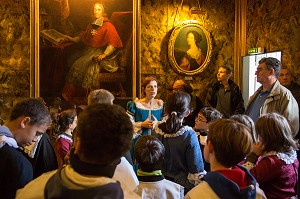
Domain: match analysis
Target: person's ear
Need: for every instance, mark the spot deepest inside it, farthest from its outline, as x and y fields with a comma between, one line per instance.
x=25, y=121
x=272, y=71
x=210, y=146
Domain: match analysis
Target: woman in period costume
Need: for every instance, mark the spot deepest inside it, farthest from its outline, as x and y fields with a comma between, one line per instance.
x=145, y=112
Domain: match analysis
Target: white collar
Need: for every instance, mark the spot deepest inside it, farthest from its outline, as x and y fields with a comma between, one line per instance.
x=8, y=140
x=288, y=158
x=98, y=22
x=181, y=131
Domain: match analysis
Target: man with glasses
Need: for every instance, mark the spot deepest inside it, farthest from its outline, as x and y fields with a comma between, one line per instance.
x=272, y=96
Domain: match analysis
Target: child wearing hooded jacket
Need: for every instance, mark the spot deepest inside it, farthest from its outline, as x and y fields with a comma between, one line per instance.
x=228, y=143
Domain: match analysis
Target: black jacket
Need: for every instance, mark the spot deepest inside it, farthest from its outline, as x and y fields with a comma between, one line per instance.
x=44, y=159
x=237, y=101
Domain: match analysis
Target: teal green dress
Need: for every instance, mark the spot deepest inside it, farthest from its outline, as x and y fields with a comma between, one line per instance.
x=139, y=114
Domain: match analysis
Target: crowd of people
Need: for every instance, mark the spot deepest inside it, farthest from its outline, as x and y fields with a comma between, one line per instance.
x=180, y=148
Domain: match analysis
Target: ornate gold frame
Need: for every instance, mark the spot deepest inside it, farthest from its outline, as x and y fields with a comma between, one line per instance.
x=35, y=48
x=176, y=36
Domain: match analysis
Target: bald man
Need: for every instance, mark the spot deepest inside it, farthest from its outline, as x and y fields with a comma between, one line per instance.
x=287, y=80
x=196, y=103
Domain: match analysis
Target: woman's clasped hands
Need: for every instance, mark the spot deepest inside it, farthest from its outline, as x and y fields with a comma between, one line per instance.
x=150, y=123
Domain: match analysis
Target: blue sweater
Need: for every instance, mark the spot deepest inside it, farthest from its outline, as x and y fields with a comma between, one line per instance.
x=182, y=155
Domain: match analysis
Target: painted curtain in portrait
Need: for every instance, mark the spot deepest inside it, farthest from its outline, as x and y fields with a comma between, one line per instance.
x=71, y=17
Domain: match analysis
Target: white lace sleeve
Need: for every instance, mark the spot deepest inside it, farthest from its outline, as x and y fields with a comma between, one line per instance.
x=109, y=50
x=164, y=118
x=196, y=178
x=137, y=127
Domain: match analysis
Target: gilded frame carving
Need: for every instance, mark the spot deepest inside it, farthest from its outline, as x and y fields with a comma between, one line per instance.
x=182, y=56
x=35, y=48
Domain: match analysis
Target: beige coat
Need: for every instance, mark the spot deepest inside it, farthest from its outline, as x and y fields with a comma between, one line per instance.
x=280, y=100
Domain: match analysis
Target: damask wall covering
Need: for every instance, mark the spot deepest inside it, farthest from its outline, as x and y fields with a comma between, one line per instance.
x=14, y=52
x=272, y=24
x=275, y=25
x=158, y=19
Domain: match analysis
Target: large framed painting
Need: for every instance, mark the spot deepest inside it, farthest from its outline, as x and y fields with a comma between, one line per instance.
x=189, y=48
x=79, y=46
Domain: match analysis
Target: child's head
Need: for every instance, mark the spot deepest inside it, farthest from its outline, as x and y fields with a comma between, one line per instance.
x=245, y=119
x=104, y=134
x=178, y=107
x=206, y=115
x=149, y=153
x=181, y=85
x=224, y=73
x=275, y=133
x=67, y=119
x=229, y=141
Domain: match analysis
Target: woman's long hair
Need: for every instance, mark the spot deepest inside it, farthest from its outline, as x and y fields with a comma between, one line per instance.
x=197, y=37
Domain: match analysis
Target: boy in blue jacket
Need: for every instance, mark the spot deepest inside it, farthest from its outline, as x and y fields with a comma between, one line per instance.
x=227, y=144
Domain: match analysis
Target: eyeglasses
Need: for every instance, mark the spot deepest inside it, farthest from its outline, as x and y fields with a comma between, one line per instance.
x=258, y=70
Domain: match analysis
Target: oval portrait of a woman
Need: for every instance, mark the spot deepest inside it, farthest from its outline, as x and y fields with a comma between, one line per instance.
x=189, y=48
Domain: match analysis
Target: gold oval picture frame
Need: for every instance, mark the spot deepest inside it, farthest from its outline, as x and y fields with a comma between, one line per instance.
x=189, y=48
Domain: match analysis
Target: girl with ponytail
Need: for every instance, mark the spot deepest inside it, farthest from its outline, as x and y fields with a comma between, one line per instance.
x=183, y=161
